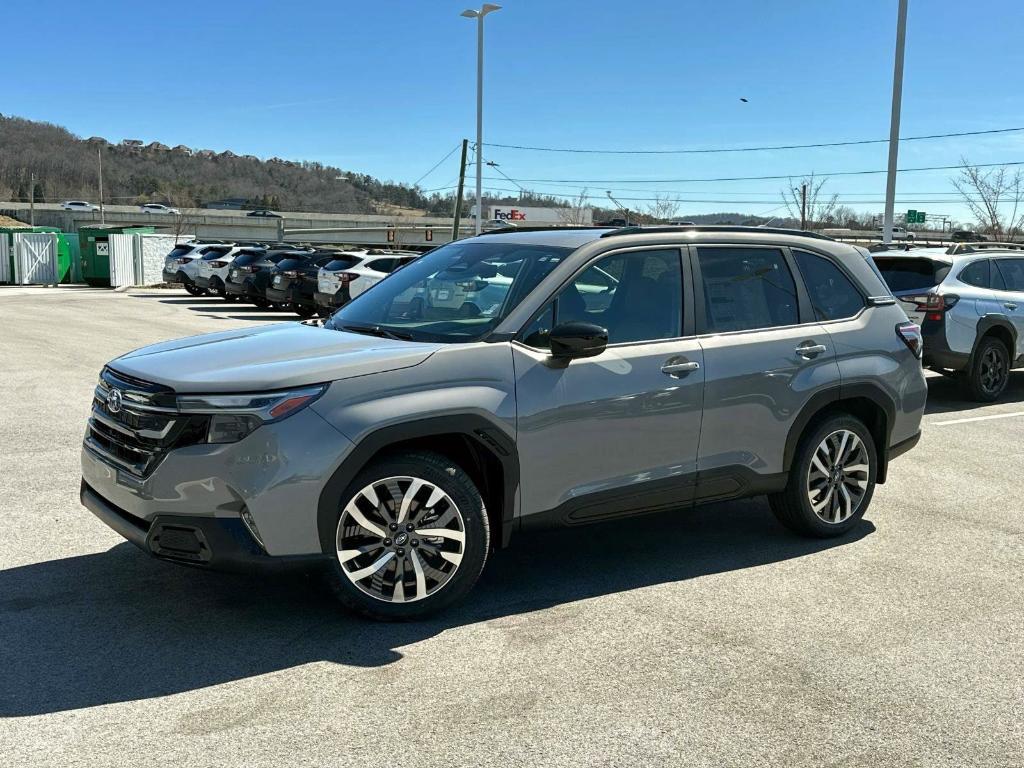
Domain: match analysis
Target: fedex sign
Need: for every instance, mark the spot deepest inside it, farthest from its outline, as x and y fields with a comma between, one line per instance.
x=512, y=214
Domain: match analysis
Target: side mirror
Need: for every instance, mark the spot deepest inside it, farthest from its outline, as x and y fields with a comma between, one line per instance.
x=577, y=339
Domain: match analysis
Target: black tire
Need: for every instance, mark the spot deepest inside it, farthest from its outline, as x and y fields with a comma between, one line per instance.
x=443, y=474
x=303, y=311
x=989, y=372
x=261, y=303
x=217, y=288
x=793, y=506
x=194, y=290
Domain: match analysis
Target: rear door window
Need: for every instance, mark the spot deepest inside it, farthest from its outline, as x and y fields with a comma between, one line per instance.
x=832, y=295
x=746, y=289
x=1012, y=271
x=977, y=273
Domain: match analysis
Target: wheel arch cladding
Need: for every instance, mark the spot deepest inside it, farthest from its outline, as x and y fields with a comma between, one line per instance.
x=999, y=327
x=867, y=402
x=476, y=444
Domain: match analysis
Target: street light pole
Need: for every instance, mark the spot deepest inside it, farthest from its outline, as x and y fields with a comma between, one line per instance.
x=479, y=16
x=894, y=125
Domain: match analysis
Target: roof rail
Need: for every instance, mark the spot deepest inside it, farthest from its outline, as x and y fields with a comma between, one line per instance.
x=716, y=228
x=559, y=228
x=958, y=248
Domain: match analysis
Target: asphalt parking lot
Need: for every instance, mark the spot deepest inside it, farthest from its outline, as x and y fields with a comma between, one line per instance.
x=704, y=638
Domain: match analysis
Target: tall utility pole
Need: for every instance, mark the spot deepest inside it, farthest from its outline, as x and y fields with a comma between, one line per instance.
x=457, y=215
x=624, y=209
x=479, y=16
x=99, y=158
x=32, y=199
x=803, y=206
x=894, y=125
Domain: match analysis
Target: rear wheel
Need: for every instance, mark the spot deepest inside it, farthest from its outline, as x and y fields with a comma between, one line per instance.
x=831, y=480
x=990, y=370
x=194, y=290
x=411, y=538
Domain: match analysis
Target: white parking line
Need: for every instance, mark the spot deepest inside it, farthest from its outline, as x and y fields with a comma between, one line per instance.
x=978, y=418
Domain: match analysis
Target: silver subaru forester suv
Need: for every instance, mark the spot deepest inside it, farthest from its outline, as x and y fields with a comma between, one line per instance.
x=509, y=381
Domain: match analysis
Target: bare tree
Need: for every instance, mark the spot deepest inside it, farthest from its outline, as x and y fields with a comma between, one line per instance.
x=820, y=207
x=578, y=211
x=993, y=196
x=664, y=208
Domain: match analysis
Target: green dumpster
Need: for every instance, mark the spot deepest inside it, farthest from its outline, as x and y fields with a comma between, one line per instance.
x=94, y=251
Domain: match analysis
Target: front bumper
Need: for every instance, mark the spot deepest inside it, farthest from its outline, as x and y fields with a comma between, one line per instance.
x=221, y=544
x=276, y=474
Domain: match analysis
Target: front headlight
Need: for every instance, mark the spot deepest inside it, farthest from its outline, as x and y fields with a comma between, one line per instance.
x=233, y=417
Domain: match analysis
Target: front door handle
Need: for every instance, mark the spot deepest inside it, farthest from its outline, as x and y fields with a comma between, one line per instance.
x=1010, y=305
x=810, y=350
x=679, y=369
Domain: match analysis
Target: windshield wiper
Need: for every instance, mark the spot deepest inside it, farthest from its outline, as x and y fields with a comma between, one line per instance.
x=376, y=330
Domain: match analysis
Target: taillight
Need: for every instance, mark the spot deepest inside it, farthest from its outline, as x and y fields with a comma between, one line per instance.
x=218, y=264
x=291, y=273
x=911, y=335
x=934, y=304
x=346, y=277
x=185, y=259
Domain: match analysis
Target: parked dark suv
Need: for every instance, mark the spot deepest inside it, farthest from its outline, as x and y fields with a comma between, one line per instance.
x=293, y=281
x=510, y=381
x=250, y=273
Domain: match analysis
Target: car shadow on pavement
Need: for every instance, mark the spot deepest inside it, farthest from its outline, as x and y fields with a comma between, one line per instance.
x=119, y=626
x=949, y=395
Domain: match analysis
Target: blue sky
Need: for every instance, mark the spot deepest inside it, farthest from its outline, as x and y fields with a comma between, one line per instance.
x=387, y=88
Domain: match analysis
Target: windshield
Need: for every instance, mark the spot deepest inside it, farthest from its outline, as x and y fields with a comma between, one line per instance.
x=456, y=293
x=911, y=274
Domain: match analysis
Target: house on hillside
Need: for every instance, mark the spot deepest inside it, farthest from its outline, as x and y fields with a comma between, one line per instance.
x=250, y=157
x=227, y=153
x=181, y=149
x=132, y=145
x=207, y=153
x=97, y=141
x=156, y=146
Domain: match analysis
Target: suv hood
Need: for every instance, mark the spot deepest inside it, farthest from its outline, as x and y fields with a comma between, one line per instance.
x=268, y=357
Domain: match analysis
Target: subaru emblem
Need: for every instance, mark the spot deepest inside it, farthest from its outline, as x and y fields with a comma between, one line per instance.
x=114, y=400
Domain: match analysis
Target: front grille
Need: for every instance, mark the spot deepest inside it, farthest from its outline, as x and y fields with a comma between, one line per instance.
x=136, y=436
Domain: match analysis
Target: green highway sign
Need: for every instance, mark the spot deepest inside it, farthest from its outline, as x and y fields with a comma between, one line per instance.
x=916, y=217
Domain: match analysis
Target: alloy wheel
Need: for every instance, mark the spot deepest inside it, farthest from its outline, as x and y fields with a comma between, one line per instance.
x=837, y=479
x=400, y=539
x=993, y=371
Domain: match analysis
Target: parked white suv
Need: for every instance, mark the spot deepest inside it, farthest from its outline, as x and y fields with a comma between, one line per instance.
x=181, y=265
x=212, y=268
x=79, y=205
x=352, y=272
x=969, y=301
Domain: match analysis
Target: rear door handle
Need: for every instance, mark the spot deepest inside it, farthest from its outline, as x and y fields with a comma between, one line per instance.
x=1010, y=305
x=677, y=369
x=810, y=350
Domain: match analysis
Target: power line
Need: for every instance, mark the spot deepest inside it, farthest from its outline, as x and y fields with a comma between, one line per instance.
x=757, y=178
x=857, y=142
x=437, y=164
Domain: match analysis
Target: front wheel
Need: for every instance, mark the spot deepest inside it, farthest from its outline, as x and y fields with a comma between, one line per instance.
x=831, y=480
x=411, y=538
x=194, y=290
x=303, y=311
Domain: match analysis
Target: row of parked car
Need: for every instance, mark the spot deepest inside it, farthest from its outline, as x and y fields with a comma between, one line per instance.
x=306, y=280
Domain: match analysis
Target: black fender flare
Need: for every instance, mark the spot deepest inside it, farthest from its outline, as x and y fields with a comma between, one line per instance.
x=485, y=433
x=822, y=399
x=987, y=323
